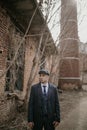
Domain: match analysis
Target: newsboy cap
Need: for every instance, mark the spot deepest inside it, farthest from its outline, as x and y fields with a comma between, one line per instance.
x=43, y=71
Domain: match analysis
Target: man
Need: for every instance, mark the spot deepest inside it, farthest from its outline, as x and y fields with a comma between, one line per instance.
x=43, y=110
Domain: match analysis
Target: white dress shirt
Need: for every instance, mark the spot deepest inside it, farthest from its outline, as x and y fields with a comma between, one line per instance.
x=46, y=87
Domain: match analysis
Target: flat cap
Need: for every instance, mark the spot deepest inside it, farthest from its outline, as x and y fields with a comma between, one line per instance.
x=43, y=71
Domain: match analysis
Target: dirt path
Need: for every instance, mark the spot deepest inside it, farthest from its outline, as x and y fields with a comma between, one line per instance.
x=76, y=118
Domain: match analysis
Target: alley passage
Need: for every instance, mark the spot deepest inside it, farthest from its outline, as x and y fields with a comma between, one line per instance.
x=77, y=118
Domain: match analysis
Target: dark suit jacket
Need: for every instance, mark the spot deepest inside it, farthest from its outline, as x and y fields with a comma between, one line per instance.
x=35, y=104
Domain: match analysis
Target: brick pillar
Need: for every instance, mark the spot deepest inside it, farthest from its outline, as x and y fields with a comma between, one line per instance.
x=69, y=61
x=29, y=56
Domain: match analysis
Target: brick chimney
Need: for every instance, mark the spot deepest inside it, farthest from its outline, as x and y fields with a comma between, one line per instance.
x=69, y=76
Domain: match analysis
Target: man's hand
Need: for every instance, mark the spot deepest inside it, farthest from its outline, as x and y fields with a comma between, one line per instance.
x=55, y=123
x=31, y=124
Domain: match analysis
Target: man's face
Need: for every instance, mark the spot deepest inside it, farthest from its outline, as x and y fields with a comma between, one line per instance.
x=43, y=78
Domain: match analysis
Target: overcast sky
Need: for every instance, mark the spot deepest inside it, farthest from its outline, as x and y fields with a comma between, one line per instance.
x=82, y=21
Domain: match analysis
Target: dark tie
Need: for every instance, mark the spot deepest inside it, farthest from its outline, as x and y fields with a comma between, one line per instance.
x=44, y=90
x=45, y=100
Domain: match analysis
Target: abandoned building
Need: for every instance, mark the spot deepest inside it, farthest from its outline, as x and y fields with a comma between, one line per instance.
x=83, y=64
x=26, y=45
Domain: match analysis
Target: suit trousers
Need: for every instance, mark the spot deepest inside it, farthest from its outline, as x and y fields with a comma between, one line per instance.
x=45, y=123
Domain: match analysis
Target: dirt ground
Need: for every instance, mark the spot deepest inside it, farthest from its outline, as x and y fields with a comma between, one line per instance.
x=68, y=101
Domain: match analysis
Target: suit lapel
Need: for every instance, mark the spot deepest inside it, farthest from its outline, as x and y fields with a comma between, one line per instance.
x=39, y=92
x=39, y=89
x=49, y=91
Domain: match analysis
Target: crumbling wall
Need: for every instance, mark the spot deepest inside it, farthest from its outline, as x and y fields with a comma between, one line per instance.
x=3, y=47
x=10, y=38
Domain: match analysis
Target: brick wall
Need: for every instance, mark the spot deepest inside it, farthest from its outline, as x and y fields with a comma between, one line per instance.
x=3, y=46
x=7, y=107
x=83, y=70
x=29, y=56
x=17, y=50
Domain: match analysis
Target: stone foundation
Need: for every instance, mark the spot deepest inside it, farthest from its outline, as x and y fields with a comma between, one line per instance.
x=69, y=84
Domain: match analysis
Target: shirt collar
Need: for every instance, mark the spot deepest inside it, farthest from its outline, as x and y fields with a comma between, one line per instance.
x=44, y=84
